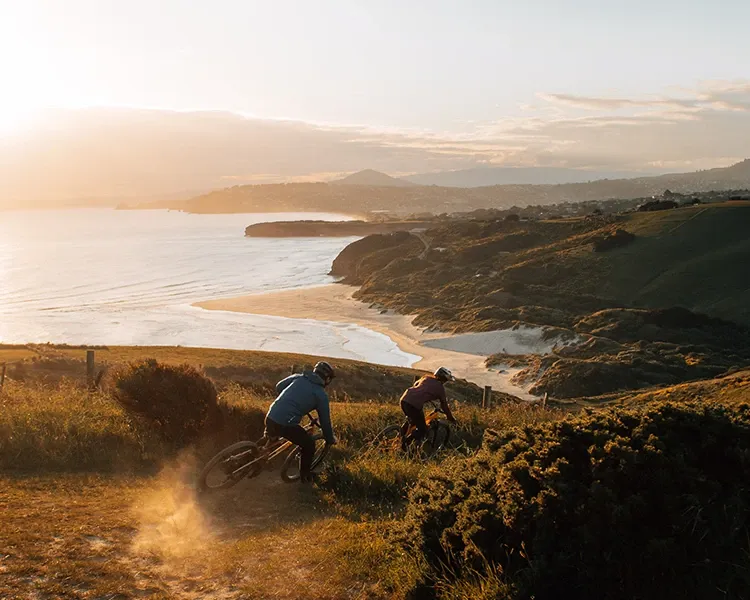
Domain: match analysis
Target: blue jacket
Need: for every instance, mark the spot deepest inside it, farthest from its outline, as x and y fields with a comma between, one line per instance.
x=299, y=395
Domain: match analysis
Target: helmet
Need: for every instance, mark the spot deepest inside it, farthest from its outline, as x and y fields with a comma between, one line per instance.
x=324, y=370
x=444, y=374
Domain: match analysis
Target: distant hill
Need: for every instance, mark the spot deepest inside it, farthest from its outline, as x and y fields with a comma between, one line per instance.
x=414, y=199
x=109, y=156
x=373, y=178
x=486, y=176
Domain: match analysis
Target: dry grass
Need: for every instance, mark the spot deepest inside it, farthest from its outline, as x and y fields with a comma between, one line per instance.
x=64, y=536
x=254, y=370
x=65, y=428
x=76, y=525
x=732, y=389
x=90, y=536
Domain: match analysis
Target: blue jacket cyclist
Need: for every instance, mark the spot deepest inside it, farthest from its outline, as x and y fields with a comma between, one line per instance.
x=298, y=395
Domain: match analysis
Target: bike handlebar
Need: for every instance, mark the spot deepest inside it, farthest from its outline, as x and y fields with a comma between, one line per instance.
x=442, y=412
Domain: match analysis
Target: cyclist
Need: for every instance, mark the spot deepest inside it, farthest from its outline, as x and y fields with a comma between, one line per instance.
x=430, y=388
x=298, y=395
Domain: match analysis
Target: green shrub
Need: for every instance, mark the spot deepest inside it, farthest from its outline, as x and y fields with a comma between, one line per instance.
x=177, y=401
x=614, y=504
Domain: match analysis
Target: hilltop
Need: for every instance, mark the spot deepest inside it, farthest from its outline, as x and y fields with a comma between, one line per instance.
x=373, y=178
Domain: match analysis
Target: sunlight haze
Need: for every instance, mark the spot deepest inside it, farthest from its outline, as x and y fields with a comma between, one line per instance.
x=395, y=300
x=401, y=87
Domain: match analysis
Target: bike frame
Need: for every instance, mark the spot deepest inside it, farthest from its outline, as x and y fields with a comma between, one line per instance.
x=274, y=447
x=435, y=414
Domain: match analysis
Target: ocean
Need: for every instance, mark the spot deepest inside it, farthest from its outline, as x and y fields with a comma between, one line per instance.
x=107, y=277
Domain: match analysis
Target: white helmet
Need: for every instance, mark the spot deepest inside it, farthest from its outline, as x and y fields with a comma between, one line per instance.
x=444, y=374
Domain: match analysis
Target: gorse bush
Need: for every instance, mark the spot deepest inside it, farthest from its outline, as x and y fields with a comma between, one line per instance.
x=615, y=504
x=177, y=401
x=372, y=480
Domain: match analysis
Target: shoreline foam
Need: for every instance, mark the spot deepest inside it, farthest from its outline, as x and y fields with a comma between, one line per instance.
x=334, y=303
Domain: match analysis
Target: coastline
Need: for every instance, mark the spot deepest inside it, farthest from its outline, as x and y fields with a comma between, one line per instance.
x=334, y=303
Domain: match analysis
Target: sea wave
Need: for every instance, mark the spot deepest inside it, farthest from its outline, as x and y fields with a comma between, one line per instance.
x=128, y=277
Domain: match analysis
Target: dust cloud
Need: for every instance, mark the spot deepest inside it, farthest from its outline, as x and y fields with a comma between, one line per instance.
x=172, y=524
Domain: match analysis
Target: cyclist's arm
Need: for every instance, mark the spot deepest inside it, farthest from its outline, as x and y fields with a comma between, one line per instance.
x=324, y=416
x=444, y=406
x=284, y=383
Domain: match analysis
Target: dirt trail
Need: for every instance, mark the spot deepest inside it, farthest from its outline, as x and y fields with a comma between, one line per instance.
x=104, y=537
x=239, y=543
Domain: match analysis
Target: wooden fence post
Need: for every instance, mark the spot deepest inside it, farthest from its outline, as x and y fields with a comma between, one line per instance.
x=2, y=376
x=292, y=369
x=544, y=400
x=90, y=369
x=487, y=396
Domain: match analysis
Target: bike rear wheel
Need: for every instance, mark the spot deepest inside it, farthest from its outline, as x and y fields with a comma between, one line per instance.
x=233, y=463
x=388, y=439
x=290, y=470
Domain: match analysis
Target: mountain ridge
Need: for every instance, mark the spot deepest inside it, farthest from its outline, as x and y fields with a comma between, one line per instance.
x=490, y=176
x=360, y=198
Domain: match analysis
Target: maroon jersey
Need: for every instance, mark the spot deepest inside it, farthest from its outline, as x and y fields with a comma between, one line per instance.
x=427, y=389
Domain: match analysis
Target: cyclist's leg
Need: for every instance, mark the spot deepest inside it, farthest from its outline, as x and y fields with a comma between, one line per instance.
x=407, y=421
x=421, y=426
x=271, y=429
x=415, y=416
x=297, y=435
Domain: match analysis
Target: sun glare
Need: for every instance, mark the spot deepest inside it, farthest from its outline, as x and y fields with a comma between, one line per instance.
x=15, y=117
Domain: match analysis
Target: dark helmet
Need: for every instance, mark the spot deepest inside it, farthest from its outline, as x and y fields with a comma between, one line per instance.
x=324, y=370
x=444, y=374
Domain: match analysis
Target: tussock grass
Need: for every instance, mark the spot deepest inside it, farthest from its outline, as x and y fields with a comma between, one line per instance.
x=65, y=428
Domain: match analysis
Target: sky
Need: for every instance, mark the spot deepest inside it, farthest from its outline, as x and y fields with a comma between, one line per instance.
x=530, y=79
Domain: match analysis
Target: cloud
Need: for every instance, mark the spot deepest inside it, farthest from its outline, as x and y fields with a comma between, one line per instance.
x=593, y=103
x=146, y=153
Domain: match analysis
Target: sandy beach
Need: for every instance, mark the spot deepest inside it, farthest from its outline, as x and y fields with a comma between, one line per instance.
x=465, y=354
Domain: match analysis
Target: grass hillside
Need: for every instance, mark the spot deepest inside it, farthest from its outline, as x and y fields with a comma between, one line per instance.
x=694, y=257
x=658, y=298
x=94, y=503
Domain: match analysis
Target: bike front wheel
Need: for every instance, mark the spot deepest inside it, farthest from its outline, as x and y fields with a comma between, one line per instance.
x=290, y=470
x=235, y=462
x=438, y=436
x=389, y=439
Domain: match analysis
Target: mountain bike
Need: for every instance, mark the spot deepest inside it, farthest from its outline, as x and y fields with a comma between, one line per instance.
x=438, y=435
x=245, y=460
